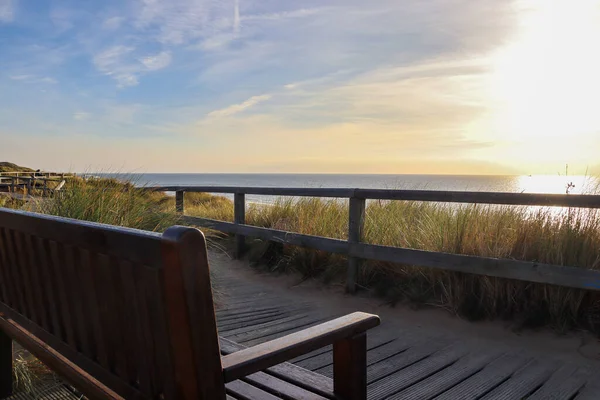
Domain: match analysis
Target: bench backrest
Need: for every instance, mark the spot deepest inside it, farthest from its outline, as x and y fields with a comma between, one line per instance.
x=133, y=309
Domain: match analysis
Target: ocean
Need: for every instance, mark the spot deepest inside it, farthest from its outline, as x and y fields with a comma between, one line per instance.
x=516, y=184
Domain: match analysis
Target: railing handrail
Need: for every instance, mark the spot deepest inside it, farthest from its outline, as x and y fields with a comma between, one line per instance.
x=356, y=250
x=442, y=196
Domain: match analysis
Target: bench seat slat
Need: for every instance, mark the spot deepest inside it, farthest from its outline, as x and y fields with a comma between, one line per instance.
x=65, y=303
x=75, y=292
x=280, y=387
x=8, y=286
x=23, y=262
x=48, y=280
x=15, y=275
x=243, y=390
x=289, y=372
x=30, y=259
x=157, y=336
x=109, y=297
x=88, y=271
x=136, y=355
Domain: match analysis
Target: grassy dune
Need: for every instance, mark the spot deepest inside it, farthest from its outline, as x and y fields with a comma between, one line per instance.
x=6, y=166
x=571, y=238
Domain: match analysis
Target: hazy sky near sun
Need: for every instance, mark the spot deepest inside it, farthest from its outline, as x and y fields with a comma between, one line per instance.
x=413, y=86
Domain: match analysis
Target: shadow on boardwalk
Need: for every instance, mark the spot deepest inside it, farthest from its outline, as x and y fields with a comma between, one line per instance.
x=422, y=354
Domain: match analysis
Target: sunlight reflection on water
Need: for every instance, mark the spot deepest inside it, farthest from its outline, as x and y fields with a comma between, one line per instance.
x=557, y=184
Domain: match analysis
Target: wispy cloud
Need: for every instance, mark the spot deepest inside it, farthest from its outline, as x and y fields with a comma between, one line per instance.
x=112, y=62
x=238, y=108
x=179, y=21
x=81, y=116
x=7, y=10
x=33, y=79
x=158, y=61
x=21, y=77
x=303, y=12
x=113, y=23
x=121, y=63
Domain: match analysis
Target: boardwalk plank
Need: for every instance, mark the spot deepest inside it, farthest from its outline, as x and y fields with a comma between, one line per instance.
x=416, y=372
x=245, y=391
x=247, y=331
x=485, y=380
x=563, y=384
x=446, y=378
x=524, y=382
x=402, y=360
x=591, y=390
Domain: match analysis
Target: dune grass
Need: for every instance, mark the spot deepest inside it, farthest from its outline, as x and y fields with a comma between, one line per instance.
x=567, y=237
x=113, y=202
x=570, y=237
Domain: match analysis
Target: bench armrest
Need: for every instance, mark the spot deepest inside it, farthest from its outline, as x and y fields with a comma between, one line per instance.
x=257, y=358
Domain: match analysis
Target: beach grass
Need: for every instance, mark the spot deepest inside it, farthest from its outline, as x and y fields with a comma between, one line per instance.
x=545, y=235
x=110, y=201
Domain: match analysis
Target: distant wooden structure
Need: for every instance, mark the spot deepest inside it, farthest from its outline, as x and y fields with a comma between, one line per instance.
x=27, y=184
x=128, y=314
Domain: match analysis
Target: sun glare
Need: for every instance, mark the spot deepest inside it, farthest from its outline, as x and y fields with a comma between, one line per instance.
x=558, y=184
x=545, y=84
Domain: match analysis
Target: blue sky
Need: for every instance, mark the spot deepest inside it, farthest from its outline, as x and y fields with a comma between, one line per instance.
x=417, y=86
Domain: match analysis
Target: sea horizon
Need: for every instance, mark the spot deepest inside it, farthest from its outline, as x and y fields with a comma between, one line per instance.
x=548, y=184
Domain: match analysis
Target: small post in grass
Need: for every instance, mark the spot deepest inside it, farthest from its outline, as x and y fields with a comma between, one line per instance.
x=239, y=217
x=179, y=201
x=6, y=364
x=356, y=222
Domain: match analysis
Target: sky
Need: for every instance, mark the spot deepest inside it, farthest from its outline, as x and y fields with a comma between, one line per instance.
x=348, y=86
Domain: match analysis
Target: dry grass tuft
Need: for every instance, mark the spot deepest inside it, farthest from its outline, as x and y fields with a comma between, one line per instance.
x=29, y=372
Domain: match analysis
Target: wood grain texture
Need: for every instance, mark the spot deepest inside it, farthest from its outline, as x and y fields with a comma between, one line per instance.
x=529, y=199
x=284, y=237
x=289, y=372
x=192, y=325
x=350, y=367
x=239, y=218
x=180, y=201
x=356, y=222
x=265, y=355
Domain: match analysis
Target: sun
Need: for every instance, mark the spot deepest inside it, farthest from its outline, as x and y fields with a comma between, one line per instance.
x=545, y=84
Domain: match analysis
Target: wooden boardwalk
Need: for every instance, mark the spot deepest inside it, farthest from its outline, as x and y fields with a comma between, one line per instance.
x=403, y=363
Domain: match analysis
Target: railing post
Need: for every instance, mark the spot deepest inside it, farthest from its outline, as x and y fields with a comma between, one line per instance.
x=356, y=222
x=239, y=217
x=6, y=364
x=179, y=201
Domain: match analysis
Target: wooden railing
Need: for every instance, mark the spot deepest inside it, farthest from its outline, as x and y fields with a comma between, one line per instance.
x=356, y=250
x=30, y=181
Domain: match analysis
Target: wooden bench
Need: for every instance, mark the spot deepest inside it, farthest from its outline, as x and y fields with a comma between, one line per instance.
x=123, y=313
